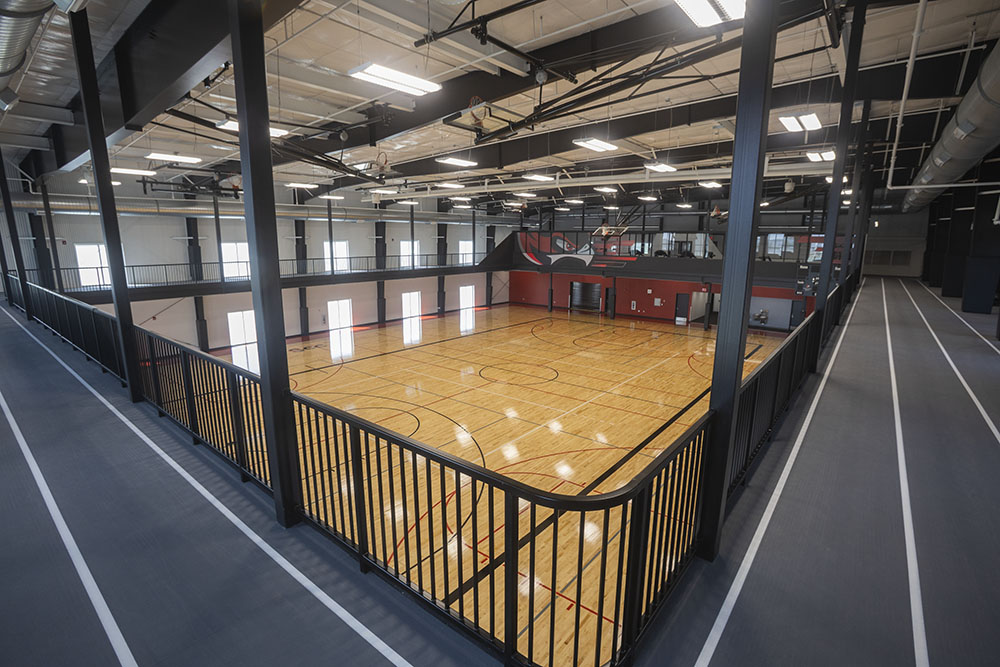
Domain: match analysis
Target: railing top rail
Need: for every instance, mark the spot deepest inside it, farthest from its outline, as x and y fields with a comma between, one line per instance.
x=553, y=500
x=778, y=350
x=81, y=304
x=204, y=355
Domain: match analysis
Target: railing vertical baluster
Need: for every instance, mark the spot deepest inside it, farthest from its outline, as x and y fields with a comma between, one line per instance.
x=638, y=539
x=189, y=391
x=510, y=537
x=357, y=484
x=239, y=437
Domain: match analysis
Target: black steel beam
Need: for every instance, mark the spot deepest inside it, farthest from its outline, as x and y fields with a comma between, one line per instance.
x=475, y=22
x=247, y=32
x=756, y=73
x=839, y=166
x=47, y=209
x=90, y=97
x=15, y=241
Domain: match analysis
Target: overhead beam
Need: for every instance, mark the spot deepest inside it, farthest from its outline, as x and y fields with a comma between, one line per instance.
x=28, y=141
x=43, y=113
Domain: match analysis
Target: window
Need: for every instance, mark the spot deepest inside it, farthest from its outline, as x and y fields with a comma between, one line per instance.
x=409, y=252
x=411, y=317
x=775, y=244
x=236, y=260
x=243, y=339
x=700, y=244
x=815, y=248
x=92, y=260
x=341, y=256
x=341, y=329
x=466, y=308
x=465, y=254
x=667, y=241
x=789, y=244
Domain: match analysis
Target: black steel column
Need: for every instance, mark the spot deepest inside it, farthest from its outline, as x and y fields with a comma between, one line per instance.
x=200, y=323
x=380, y=301
x=329, y=235
x=851, y=240
x=15, y=241
x=302, y=268
x=4, y=269
x=218, y=236
x=833, y=198
x=91, y=102
x=43, y=259
x=47, y=209
x=247, y=33
x=551, y=291
x=491, y=245
x=413, y=254
x=193, y=248
x=959, y=239
x=380, y=245
x=474, y=236
x=982, y=265
x=442, y=260
x=752, y=111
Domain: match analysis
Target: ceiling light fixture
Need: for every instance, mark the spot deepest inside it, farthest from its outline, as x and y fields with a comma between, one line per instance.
x=791, y=123
x=562, y=209
x=661, y=167
x=407, y=202
x=765, y=203
x=84, y=181
x=685, y=205
x=390, y=78
x=166, y=157
x=604, y=188
x=710, y=184
x=455, y=161
x=302, y=186
x=384, y=191
x=234, y=126
x=647, y=198
x=461, y=206
x=460, y=198
x=538, y=177
x=703, y=14
x=134, y=172
x=449, y=186
x=610, y=208
x=814, y=157
x=334, y=197
x=847, y=202
x=810, y=121
x=573, y=201
x=525, y=194
x=595, y=145
x=828, y=156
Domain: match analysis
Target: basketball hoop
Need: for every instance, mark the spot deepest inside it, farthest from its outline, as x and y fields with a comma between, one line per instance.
x=382, y=162
x=477, y=111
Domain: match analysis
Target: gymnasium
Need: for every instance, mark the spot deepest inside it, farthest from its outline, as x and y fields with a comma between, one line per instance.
x=478, y=332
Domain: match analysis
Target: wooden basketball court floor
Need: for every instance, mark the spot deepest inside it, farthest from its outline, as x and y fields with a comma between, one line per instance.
x=569, y=403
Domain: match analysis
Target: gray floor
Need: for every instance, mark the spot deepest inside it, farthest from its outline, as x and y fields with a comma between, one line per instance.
x=828, y=585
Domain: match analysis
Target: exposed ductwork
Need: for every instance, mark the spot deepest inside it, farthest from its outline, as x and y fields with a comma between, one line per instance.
x=19, y=19
x=969, y=136
x=193, y=208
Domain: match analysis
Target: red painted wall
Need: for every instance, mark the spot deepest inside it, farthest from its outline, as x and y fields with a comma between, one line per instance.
x=529, y=287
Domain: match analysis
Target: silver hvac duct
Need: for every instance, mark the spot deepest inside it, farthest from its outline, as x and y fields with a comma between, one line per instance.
x=972, y=132
x=193, y=208
x=19, y=19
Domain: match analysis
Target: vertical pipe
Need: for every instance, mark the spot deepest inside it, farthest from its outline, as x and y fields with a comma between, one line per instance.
x=749, y=149
x=247, y=32
x=96, y=138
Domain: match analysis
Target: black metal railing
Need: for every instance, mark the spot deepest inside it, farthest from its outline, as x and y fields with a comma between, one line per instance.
x=88, y=329
x=88, y=279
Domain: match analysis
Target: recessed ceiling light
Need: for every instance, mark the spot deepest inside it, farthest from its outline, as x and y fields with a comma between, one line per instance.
x=449, y=186
x=791, y=123
x=605, y=189
x=562, y=209
x=814, y=157
x=595, y=144
x=647, y=198
x=685, y=205
x=661, y=167
x=390, y=78
x=828, y=156
x=302, y=186
x=810, y=121
x=460, y=198
x=456, y=161
x=574, y=201
x=134, y=172
x=525, y=194
x=710, y=184
x=538, y=177
x=166, y=157
x=334, y=197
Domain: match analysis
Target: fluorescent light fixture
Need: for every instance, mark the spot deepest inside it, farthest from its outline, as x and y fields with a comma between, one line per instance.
x=84, y=181
x=302, y=186
x=814, y=157
x=733, y=10
x=462, y=206
x=362, y=166
x=765, y=203
x=847, y=202
x=829, y=179
x=574, y=201
x=334, y=197
x=828, y=156
x=166, y=157
x=232, y=125
x=810, y=121
x=525, y=194
x=134, y=172
x=449, y=186
x=460, y=198
x=513, y=204
x=562, y=209
x=685, y=205
x=604, y=188
x=710, y=184
x=384, y=191
x=701, y=12
x=408, y=202
x=456, y=161
x=538, y=177
x=595, y=145
x=659, y=166
x=390, y=78
x=647, y=198
x=847, y=193
x=791, y=123
x=610, y=208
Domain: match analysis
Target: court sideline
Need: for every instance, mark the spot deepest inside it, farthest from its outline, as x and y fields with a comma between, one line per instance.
x=829, y=583
x=183, y=583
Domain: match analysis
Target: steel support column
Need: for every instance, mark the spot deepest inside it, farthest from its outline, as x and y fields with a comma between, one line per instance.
x=442, y=260
x=91, y=102
x=247, y=33
x=47, y=209
x=749, y=144
x=15, y=241
x=3, y=268
x=218, y=237
x=380, y=245
x=851, y=240
x=833, y=198
x=302, y=268
x=43, y=259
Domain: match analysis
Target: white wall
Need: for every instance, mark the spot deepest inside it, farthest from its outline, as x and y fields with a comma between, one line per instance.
x=394, y=296
x=363, y=296
x=501, y=287
x=172, y=318
x=453, y=283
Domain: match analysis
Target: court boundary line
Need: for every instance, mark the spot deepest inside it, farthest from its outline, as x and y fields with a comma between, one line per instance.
x=732, y=596
x=104, y=614
x=918, y=629
x=271, y=552
x=962, y=319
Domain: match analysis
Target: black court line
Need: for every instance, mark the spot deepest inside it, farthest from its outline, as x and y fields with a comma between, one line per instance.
x=484, y=572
